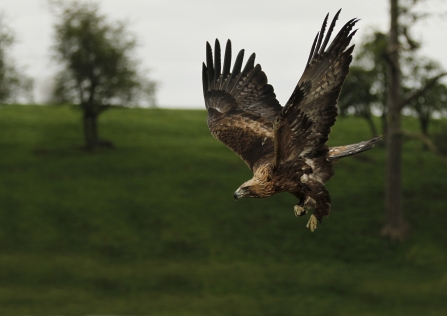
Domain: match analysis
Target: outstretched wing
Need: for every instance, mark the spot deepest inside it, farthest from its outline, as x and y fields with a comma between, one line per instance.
x=241, y=105
x=303, y=126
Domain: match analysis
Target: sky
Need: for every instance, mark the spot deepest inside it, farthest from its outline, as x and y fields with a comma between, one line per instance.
x=172, y=37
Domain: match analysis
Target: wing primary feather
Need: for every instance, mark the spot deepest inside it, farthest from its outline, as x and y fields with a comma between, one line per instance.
x=248, y=67
x=204, y=81
x=338, y=44
x=217, y=65
x=241, y=105
x=250, y=63
x=351, y=36
x=236, y=70
x=320, y=38
x=227, y=62
x=329, y=32
x=238, y=63
x=209, y=65
x=312, y=50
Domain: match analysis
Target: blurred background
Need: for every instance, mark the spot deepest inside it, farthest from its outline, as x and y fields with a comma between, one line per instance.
x=115, y=198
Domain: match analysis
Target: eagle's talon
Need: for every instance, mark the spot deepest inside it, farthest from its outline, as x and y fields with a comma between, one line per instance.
x=299, y=210
x=312, y=223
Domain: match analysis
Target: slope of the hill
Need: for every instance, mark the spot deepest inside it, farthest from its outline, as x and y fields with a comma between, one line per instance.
x=151, y=227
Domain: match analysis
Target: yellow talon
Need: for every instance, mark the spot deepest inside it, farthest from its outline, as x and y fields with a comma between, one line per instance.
x=299, y=210
x=312, y=223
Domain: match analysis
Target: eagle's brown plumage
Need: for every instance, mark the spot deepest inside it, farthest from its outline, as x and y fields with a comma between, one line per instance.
x=285, y=147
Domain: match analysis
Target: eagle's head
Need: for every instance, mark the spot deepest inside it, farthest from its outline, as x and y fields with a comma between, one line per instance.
x=253, y=188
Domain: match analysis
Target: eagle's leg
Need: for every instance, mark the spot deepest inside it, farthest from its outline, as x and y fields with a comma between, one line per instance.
x=318, y=198
x=299, y=209
x=321, y=202
x=312, y=223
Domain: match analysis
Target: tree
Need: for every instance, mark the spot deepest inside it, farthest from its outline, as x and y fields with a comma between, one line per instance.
x=399, y=40
x=434, y=99
x=99, y=70
x=358, y=96
x=387, y=75
x=371, y=59
x=13, y=84
x=365, y=88
x=395, y=227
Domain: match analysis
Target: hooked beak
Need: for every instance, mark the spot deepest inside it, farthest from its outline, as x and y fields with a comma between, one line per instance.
x=238, y=194
x=242, y=193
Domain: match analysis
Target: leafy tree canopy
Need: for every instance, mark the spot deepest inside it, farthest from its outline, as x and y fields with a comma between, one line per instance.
x=365, y=89
x=13, y=83
x=99, y=69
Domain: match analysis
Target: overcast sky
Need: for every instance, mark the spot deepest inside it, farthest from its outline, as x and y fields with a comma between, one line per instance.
x=172, y=36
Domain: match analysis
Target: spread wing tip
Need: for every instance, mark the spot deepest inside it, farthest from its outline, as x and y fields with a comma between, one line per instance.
x=321, y=40
x=209, y=64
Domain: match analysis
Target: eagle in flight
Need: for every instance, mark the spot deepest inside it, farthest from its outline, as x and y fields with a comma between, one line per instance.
x=285, y=147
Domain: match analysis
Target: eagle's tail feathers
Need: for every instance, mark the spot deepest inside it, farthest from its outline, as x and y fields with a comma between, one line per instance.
x=336, y=153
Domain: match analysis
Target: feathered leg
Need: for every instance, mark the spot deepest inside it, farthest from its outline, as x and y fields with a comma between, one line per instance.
x=322, y=201
x=322, y=206
x=318, y=198
x=299, y=209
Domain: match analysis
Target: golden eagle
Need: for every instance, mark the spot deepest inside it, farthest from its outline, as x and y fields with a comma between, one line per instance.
x=285, y=147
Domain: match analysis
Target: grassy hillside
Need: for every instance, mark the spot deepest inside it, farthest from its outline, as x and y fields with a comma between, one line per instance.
x=151, y=228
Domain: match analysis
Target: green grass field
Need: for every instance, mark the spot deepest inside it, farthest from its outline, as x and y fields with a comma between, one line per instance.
x=151, y=227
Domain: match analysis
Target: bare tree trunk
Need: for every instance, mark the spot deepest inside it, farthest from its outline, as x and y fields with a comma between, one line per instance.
x=384, y=123
x=424, y=121
x=395, y=227
x=384, y=128
x=90, y=125
x=90, y=130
